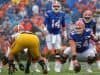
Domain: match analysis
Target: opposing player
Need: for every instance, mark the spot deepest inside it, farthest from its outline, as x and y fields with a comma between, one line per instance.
x=79, y=41
x=54, y=24
x=6, y=48
x=26, y=40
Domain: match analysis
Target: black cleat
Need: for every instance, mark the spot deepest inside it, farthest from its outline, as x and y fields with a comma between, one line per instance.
x=11, y=70
x=27, y=68
x=44, y=67
x=4, y=60
x=45, y=70
x=27, y=71
x=21, y=67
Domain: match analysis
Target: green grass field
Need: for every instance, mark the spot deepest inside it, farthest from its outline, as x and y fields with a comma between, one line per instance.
x=64, y=71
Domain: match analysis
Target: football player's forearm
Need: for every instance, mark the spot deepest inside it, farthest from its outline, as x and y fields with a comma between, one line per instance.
x=73, y=47
x=65, y=31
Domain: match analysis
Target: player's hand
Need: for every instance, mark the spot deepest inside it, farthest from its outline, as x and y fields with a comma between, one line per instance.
x=45, y=33
x=64, y=35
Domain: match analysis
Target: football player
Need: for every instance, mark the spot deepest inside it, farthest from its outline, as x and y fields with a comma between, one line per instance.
x=79, y=41
x=54, y=24
x=7, y=45
x=27, y=40
x=89, y=21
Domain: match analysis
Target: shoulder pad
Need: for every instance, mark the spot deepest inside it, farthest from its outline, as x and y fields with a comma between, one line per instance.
x=72, y=33
x=48, y=13
x=62, y=12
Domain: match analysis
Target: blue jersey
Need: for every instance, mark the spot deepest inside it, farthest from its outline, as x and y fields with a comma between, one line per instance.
x=91, y=25
x=54, y=21
x=82, y=41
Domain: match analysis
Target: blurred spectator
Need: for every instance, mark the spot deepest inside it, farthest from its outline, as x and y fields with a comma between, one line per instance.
x=26, y=23
x=64, y=5
x=6, y=22
x=35, y=20
x=1, y=13
x=40, y=21
x=68, y=21
x=85, y=2
x=4, y=2
x=71, y=3
x=22, y=9
x=15, y=2
x=82, y=4
x=43, y=7
x=26, y=1
x=35, y=9
x=48, y=5
x=76, y=14
x=14, y=16
x=1, y=16
x=92, y=6
x=97, y=4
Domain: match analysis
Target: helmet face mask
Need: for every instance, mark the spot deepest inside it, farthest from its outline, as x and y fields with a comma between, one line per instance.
x=79, y=27
x=79, y=30
x=56, y=6
x=87, y=19
x=87, y=15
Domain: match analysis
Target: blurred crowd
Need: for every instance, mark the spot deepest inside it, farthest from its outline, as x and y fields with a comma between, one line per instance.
x=29, y=12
